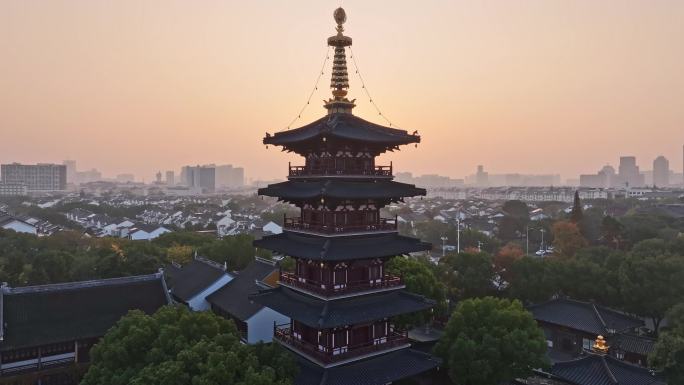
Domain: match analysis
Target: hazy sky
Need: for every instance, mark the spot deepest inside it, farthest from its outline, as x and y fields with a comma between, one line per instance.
x=530, y=86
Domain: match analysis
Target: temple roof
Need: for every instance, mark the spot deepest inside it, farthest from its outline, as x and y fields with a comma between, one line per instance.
x=379, y=370
x=341, y=126
x=323, y=314
x=233, y=297
x=341, y=248
x=583, y=316
x=594, y=369
x=195, y=277
x=41, y=315
x=341, y=189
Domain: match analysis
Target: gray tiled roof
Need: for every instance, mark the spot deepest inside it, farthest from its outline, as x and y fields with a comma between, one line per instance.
x=193, y=278
x=340, y=189
x=319, y=313
x=233, y=298
x=594, y=369
x=583, y=316
x=379, y=370
x=40, y=315
x=341, y=248
x=632, y=343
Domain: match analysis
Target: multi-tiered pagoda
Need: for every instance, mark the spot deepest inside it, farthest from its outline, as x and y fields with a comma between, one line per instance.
x=340, y=299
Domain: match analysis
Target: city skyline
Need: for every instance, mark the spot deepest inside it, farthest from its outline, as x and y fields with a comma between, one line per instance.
x=546, y=87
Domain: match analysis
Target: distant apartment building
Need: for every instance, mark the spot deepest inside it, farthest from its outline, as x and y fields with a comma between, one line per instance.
x=603, y=179
x=170, y=178
x=125, y=178
x=89, y=176
x=70, y=170
x=36, y=177
x=229, y=177
x=661, y=171
x=203, y=177
x=628, y=173
x=13, y=189
x=481, y=177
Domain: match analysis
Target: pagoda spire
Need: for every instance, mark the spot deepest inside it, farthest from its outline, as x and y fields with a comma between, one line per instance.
x=339, y=81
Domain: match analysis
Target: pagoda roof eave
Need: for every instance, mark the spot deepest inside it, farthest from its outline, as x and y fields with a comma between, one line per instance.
x=341, y=189
x=335, y=249
x=343, y=126
x=322, y=314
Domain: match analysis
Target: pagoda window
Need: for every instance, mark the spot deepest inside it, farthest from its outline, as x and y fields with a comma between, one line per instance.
x=361, y=335
x=340, y=276
x=340, y=341
x=380, y=330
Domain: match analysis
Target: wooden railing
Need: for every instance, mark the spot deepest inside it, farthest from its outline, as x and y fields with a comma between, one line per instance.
x=295, y=171
x=296, y=223
x=36, y=366
x=327, y=355
x=330, y=289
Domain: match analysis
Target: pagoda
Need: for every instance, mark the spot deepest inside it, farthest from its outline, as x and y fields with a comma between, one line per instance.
x=339, y=298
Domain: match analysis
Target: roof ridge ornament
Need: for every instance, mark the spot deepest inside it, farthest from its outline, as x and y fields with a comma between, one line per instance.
x=339, y=81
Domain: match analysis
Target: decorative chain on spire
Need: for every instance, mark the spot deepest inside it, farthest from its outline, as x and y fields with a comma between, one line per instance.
x=365, y=89
x=308, y=100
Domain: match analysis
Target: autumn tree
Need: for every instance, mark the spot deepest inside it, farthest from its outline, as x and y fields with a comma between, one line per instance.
x=567, y=238
x=505, y=257
x=491, y=341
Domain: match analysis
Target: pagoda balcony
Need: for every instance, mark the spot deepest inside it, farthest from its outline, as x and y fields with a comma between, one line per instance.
x=297, y=224
x=328, y=356
x=305, y=171
x=329, y=290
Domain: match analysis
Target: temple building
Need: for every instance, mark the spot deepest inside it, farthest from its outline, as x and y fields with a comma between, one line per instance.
x=48, y=330
x=340, y=300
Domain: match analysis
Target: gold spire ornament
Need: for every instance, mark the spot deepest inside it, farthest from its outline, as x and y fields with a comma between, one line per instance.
x=339, y=81
x=600, y=345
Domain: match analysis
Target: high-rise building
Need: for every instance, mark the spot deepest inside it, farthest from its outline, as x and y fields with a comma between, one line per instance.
x=70, y=170
x=482, y=177
x=170, y=178
x=229, y=177
x=628, y=173
x=341, y=301
x=203, y=177
x=37, y=177
x=661, y=171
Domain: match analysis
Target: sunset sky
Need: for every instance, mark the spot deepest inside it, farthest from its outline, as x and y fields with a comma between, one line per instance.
x=519, y=86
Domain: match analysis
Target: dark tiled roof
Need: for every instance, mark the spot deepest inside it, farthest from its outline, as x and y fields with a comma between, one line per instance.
x=377, y=370
x=632, y=343
x=340, y=189
x=194, y=277
x=343, y=126
x=319, y=313
x=233, y=298
x=594, y=369
x=341, y=248
x=39, y=315
x=583, y=316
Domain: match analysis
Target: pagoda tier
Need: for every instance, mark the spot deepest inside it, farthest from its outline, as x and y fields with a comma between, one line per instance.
x=347, y=248
x=384, y=191
x=338, y=130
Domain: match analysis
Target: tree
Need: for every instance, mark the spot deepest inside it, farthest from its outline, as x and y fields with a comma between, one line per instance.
x=420, y=279
x=650, y=286
x=503, y=260
x=531, y=280
x=611, y=230
x=180, y=254
x=576, y=214
x=467, y=274
x=491, y=341
x=177, y=347
x=516, y=217
x=567, y=238
x=668, y=353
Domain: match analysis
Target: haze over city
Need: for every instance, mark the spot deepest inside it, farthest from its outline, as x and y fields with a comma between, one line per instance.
x=532, y=87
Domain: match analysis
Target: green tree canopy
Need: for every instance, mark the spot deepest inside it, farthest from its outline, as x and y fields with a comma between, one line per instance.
x=419, y=278
x=668, y=354
x=489, y=341
x=178, y=347
x=467, y=274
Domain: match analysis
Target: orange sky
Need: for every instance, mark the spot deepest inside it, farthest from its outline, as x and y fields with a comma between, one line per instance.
x=529, y=86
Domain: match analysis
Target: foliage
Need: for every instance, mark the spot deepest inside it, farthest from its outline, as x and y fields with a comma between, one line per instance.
x=567, y=238
x=576, y=214
x=176, y=347
x=505, y=257
x=180, y=254
x=419, y=278
x=467, y=274
x=530, y=280
x=490, y=341
x=668, y=353
x=650, y=286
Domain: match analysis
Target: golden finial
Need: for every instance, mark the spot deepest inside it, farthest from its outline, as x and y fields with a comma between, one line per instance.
x=600, y=345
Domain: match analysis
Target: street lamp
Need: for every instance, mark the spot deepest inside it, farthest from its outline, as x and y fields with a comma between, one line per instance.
x=444, y=239
x=458, y=235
